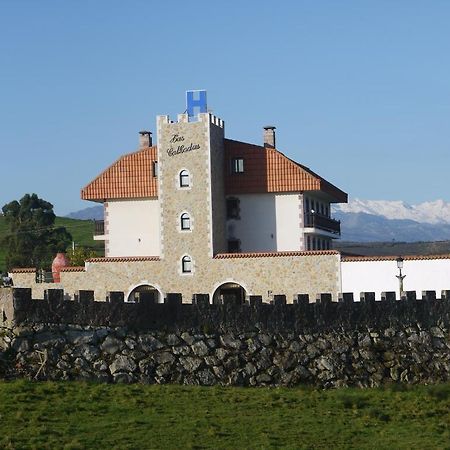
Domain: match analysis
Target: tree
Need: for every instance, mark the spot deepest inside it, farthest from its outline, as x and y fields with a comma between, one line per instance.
x=33, y=239
x=79, y=255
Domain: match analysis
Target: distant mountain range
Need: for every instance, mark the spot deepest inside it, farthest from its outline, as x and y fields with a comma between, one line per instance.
x=381, y=220
x=437, y=212
x=92, y=213
x=370, y=220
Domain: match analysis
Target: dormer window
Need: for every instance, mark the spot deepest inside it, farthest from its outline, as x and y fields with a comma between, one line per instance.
x=185, y=222
x=237, y=165
x=184, y=179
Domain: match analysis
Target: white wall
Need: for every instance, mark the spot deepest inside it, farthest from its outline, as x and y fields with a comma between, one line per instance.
x=288, y=222
x=268, y=222
x=132, y=227
x=379, y=276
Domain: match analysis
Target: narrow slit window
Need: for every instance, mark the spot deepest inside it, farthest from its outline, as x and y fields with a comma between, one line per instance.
x=237, y=165
x=185, y=221
x=184, y=178
x=186, y=264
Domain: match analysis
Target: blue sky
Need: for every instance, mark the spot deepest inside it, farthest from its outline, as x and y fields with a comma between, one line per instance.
x=359, y=90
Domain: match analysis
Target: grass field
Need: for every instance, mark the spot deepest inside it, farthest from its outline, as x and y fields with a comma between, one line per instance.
x=81, y=231
x=73, y=415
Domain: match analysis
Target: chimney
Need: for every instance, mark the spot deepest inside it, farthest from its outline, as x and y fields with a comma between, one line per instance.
x=269, y=136
x=145, y=139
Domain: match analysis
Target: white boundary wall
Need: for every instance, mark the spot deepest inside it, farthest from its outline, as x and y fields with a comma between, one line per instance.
x=425, y=274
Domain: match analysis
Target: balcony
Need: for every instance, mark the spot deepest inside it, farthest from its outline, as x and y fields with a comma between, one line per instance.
x=99, y=230
x=314, y=220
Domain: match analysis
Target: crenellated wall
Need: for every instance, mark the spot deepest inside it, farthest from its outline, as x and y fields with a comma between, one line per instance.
x=325, y=344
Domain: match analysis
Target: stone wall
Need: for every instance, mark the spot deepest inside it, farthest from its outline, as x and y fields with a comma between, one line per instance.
x=325, y=344
x=288, y=273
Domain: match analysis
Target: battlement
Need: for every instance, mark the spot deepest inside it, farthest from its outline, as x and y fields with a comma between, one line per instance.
x=184, y=118
x=17, y=306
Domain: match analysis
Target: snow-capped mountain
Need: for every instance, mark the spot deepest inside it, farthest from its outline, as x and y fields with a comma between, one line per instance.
x=435, y=212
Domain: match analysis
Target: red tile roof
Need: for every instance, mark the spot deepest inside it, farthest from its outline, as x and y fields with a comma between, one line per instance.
x=274, y=254
x=23, y=270
x=73, y=269
x=124, y=259
x=129, y=177
x=266, y=170
x=393, y=258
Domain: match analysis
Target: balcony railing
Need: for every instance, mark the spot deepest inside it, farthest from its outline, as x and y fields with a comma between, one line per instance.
x=314, y=220
x=99, y=227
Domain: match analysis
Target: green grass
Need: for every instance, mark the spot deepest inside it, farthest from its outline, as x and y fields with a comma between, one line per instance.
x=73, y=415
x=81, y=231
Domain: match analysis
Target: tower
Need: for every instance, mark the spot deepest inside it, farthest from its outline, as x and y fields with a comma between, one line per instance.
x=191, y=192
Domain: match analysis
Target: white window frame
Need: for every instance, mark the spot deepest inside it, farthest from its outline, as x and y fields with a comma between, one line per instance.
x=187, y=265
x=185, y=217
x=183, y=176
x=237, y=165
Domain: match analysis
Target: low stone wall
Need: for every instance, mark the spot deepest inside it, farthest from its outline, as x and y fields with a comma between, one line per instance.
x=324, y=344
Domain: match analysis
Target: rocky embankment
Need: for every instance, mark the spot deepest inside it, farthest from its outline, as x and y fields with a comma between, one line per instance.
x=326, y=359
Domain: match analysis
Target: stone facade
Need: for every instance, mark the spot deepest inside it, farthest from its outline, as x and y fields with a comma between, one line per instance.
x=310, y=273
x=323, y=344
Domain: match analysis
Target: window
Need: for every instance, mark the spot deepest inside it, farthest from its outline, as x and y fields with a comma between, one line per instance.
x=186, y=264
x=237, y=165
x=234, y=246
x=185, y=221
x=155, y=168
x=184, y=178
x=233, y=209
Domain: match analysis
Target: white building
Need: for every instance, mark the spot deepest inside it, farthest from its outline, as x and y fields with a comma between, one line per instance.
x=272, y=203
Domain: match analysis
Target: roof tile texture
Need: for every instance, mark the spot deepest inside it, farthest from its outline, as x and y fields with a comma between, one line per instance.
x=274, y=254
x=265, y=170
x=393, y=258
x=129, y=177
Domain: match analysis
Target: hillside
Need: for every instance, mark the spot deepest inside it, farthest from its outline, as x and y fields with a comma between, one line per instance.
x=393, y=248
x=81, y=231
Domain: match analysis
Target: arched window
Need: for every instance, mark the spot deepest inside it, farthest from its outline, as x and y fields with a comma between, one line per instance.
x=184, y=179
x=186, y=264
x=185, y=221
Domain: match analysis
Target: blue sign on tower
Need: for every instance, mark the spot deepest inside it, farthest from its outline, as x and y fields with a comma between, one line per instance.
x=195, y=102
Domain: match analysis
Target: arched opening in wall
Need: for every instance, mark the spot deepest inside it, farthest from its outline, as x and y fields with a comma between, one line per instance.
x=229, y=293
x=144, y=293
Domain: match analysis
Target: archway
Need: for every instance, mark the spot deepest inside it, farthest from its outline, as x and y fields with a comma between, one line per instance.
x=229, y=292
x=144, y=293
